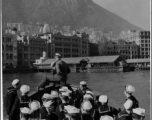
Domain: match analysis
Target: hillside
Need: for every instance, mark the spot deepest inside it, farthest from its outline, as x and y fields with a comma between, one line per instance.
x=75, y=13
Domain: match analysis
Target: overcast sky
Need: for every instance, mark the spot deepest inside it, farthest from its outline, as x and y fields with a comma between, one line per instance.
x=135, y=11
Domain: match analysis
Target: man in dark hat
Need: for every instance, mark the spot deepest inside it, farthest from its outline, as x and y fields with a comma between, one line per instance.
x=62, y=70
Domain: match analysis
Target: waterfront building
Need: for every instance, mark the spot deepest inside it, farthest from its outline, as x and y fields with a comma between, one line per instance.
x=144, y=44
x=68, y=46
x=127, y=50
x=95, y=63
x=29, y=49
x=141, y=38
x=139, y=63
x=93, y=49
x=9, y=50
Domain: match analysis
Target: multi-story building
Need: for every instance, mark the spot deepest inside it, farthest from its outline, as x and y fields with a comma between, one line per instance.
x=93, y=49
x=9, y=50
x=30, y=49
x=141, y=38
x=127, y=50
x=144, y=44
x=67, y=46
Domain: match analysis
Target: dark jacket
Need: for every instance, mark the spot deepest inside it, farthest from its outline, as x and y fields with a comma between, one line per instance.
x=123, y=115
x=60, y=111
x=62, y=68
x=24, y=101
x=135, y=101
x=107, y=110
x=87, y=117
x=48, y=116
x=78, y=97
x=12, y=101
x=35, y=114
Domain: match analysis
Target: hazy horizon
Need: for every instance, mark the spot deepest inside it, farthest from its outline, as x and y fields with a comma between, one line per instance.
x=137, y=14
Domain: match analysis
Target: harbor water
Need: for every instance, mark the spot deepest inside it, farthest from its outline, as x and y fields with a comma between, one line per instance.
x=111, y=84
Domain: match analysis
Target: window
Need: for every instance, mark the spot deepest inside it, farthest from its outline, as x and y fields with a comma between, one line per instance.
x=25, y=56
x=11, y=48
x=2, y=47
x=3, y=39
x=15, y=57
x=15, y=48
x=11, y=56
x=32, y=56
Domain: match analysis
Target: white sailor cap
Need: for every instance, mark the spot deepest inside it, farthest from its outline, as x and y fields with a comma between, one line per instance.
x=71, y=109
x=130, y=88
x=128, y=104
x=24, y=89
x=65, y=94
x=106, y=117
x=57, y=54
x=87, y=96
x=15, y=81
x=34, y=105
x=54, y=94
x=139, y=111
x=63, y=89
x=103, y=98
x=46, y=96
x=89, y=92
x=48, y=104
x=25, y=110
x=83, y=83
x=86, y=105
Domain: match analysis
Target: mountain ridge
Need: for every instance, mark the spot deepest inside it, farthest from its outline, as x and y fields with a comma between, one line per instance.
x=74, y=13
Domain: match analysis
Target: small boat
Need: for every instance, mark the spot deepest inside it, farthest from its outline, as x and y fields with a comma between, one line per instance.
x=47, y=85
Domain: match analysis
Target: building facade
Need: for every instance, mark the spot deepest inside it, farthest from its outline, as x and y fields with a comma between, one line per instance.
x=144, y=44
x=67, y=46
x=9, y=50
x=127, y=50
x=30, y=49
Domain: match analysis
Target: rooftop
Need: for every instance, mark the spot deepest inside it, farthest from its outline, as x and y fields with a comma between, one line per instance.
x=76, y=60
x=104, y=59
x=138, y=60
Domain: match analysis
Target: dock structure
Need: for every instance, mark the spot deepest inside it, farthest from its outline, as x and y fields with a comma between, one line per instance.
x=140, y=64
x=88, y=64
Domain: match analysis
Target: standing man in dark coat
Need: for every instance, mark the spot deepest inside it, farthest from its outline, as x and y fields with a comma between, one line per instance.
x=62, y=70
x=12, y=101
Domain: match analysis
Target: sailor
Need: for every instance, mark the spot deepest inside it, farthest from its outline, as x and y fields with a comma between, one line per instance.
x=106, y=117
x=80, y=92
x=85, y=108
x=67, y=90
x=129, y=89
x=24, y=99
x=138, y=114
x=90, y=96
x=55, y=98
x=62, y=69
x=35, y=109
x=105, y=109
x=12, y=101
x=64, y=96
x=46, y=97
x=25, y=113
x=72, y=113
x=46, y=111
x=126, y=113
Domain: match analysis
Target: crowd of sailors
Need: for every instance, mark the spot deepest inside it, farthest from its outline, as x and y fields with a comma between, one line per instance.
x=68, y=104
